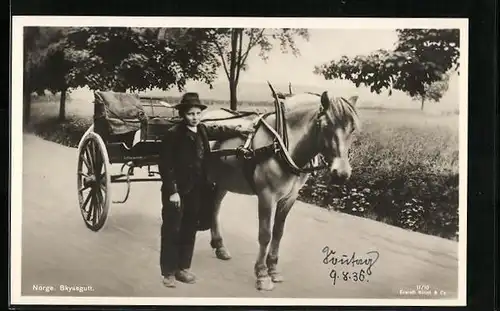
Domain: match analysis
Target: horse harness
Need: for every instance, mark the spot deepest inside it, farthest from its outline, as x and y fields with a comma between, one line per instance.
x=279, y=146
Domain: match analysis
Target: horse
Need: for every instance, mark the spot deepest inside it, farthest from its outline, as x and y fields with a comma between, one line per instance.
x=316, y=125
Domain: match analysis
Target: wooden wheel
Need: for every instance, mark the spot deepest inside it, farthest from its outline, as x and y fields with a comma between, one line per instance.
x=93, y=181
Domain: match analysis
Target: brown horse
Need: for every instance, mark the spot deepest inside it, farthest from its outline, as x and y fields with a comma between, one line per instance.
x=315, y=125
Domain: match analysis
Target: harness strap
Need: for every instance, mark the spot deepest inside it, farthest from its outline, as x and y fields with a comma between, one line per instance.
x=250, y=163
x=286, y=155
x=280, y=117
x=252, y=157
x=224, y=152
x=284, y=129
x=256, y=124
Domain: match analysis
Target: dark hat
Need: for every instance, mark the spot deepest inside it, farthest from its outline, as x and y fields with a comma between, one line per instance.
x=190, y=99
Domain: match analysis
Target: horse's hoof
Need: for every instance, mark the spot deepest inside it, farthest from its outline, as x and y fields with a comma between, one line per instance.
x=264, y=284
x=276, y=277
x=222, y=253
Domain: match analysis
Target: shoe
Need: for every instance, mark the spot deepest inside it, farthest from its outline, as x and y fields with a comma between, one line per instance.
x=185, y=276
x=169, y=280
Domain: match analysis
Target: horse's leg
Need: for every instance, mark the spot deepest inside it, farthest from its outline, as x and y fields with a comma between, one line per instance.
x=265, y=211
x=216, y=237
x=283, y=207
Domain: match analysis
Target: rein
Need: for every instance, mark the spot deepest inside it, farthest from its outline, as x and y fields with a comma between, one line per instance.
x=235, y=115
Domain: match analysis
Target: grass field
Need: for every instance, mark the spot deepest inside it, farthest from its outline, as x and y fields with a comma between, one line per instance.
x=405, y=164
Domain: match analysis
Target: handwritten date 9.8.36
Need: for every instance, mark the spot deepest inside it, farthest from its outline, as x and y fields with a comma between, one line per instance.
x=360, y=276
x=349, y=267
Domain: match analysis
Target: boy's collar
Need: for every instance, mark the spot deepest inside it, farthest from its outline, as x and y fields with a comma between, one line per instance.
x=192, y=128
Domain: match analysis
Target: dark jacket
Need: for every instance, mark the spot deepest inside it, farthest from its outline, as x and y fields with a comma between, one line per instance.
x=178, y=156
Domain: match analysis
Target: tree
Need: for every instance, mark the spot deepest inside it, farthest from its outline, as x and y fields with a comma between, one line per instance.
x=37, y=44
x=233, y=45
x=120, y=59
x=55, y=69
x=233, y=52
x=421, y=58
x=113, y=58
x=433, y=92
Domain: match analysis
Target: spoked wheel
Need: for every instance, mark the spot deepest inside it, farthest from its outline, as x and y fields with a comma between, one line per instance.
x=93, y=181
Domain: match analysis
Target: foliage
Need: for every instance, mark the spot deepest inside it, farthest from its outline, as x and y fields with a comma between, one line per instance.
x=113, y=58
x=422, y=57
x=52, y=72
x=232, y=49
x=233, y=45
x=66, y=132
x=40, y=45
x=404, y=175
x=119, y=58
x=434, y=91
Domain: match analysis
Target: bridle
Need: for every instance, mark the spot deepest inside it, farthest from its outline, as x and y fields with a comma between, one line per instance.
x=281, y=148
x=279, y=145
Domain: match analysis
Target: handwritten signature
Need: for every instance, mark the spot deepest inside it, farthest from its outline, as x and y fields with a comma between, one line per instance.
x=352, y=260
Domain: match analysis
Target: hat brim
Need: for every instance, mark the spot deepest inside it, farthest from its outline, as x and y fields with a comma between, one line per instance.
x=189, y=105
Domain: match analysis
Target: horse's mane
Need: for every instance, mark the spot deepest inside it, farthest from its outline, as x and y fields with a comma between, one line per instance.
x=343, y=111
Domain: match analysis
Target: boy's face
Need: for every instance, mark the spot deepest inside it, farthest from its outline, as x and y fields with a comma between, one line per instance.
x=193, y=116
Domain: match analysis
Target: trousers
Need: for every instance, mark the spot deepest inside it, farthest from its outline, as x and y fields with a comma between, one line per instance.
x=178, y=231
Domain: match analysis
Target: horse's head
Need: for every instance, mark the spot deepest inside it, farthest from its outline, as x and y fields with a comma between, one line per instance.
x=337, y=121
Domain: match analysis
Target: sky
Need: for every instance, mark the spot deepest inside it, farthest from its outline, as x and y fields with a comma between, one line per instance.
x=323, y=45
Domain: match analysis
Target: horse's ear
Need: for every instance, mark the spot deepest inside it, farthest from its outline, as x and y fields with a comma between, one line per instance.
x=353, y=100
x=325, y=100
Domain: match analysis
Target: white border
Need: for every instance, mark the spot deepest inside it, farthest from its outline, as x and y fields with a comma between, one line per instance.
x=18, y=22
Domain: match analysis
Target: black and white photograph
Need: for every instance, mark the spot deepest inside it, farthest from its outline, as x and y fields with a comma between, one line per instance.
x=239, y=161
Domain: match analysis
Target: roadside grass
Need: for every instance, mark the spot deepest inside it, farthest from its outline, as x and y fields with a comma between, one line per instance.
x=405, y=164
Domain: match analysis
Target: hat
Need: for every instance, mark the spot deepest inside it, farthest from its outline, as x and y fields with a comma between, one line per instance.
x=190, y=99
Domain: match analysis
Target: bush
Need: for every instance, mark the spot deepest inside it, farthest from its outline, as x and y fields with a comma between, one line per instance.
x=400, y=177
x=67, y=133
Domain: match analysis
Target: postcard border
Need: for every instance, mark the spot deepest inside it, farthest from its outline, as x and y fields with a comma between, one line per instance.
x=18, y=22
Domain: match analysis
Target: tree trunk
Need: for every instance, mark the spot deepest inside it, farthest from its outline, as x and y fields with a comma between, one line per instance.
x=233, y=95
x=232, y=71
x=62, y=106
x=422, y=104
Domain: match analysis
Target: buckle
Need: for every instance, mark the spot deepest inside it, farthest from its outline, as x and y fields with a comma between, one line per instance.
x=248, y=155
x=245, y=153
x=276, y=146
